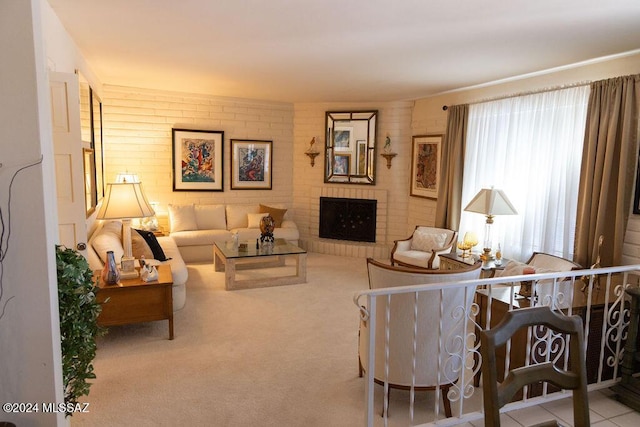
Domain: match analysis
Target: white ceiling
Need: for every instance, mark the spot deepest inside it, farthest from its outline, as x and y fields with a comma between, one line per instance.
x=340, y=50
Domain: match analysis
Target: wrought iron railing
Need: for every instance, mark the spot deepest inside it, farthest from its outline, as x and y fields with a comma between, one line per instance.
x=596, y=295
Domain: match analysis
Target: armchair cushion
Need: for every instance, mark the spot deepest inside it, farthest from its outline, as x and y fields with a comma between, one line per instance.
x=424, y=240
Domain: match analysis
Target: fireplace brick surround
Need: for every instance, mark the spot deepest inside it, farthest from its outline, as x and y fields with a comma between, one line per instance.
x=380, y=249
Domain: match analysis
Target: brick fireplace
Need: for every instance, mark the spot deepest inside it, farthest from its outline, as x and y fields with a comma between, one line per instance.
x=379, y=248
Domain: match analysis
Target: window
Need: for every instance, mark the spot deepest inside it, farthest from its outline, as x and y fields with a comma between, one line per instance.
x=530, y=147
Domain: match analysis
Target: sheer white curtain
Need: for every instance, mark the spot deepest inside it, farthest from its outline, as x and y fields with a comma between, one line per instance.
x=530, y=147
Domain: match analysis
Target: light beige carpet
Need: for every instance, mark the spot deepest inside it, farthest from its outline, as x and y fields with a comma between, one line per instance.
x=279, y=356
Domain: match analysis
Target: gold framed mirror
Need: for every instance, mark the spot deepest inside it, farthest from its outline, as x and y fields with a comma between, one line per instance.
x=91, y=135
x=350, y=149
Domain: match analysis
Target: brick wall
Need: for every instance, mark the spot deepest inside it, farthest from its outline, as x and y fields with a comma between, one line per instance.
x=138, y=138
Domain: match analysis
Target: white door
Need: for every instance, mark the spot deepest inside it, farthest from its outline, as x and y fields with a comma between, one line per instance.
x=67, y=145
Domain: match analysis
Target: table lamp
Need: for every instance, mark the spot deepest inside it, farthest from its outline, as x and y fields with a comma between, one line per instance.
x=124, y=201
x=490, y=202
x=127, y=177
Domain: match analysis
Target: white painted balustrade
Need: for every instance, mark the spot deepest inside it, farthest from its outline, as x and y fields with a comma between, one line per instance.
x=596, y=295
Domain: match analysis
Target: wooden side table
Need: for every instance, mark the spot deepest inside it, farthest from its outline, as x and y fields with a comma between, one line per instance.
x=136, y=301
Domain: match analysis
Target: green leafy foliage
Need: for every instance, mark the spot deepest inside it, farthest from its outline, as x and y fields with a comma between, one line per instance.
x=79, y=311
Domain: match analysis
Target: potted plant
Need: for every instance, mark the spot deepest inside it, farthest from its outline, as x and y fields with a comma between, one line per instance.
x=79, y=328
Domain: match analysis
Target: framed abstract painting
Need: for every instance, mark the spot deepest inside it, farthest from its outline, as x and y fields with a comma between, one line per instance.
x=425, y=166
x=197, y=160
x=250, y=164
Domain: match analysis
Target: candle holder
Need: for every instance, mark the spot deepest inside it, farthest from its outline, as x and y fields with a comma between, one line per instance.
x=464, y=247
x=468, y=242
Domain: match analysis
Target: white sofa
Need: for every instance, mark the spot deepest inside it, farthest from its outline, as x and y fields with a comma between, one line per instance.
x=108, y=237
x=195, y=227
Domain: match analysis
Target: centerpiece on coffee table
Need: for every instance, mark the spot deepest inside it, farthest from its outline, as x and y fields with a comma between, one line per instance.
x=267, y=225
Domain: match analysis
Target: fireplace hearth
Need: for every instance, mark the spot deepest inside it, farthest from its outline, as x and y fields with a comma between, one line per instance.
x=348, y=219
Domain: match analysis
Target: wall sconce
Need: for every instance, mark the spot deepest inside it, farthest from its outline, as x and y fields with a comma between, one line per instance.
x=387, y=154
x=312, y=152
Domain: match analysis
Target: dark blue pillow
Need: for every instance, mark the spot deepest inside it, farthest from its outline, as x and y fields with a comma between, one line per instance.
x=151, y=240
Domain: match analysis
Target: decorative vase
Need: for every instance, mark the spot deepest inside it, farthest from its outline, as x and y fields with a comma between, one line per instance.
x=267, y=225
x=110, y=274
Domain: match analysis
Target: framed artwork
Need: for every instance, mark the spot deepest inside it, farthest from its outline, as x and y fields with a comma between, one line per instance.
x=342, y=138
x=197, y=160
x=341, y=163
x=250, y=164
x=425, y=166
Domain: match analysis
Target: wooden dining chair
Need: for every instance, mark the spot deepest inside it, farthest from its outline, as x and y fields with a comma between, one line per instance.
x=574, y=377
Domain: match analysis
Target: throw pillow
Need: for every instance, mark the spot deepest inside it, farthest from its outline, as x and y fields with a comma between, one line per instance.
x=276, y=214
x=139, y=246
x=237, y=215
x=210, y=217
x=425, y=241
x=254, y=219
x=155, y=247
x=182, y=217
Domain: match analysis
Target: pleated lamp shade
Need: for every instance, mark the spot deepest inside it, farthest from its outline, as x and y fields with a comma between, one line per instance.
x=125, y=200
x=490, y=201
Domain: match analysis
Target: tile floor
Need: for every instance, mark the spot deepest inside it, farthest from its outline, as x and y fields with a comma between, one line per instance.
x=606, y=411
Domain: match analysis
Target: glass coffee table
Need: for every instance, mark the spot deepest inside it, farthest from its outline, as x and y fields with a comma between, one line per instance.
x=230, y=258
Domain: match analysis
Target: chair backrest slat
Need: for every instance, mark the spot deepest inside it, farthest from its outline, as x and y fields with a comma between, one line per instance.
x=573, y=378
